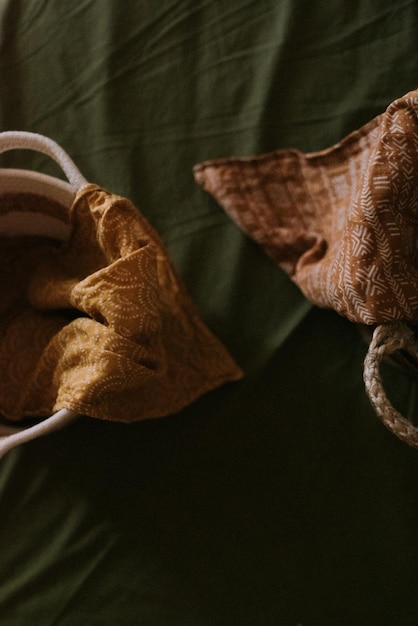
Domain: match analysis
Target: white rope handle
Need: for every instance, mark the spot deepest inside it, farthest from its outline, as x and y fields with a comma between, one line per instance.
x=10, y=437
x=16, y=140
x=387, y=339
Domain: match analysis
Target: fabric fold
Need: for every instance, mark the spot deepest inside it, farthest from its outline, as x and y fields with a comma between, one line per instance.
x=342, y=222
x=101, y=324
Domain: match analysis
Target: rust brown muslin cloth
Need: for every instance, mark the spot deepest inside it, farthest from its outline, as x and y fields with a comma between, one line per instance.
x=342, y=222
x=98, y=323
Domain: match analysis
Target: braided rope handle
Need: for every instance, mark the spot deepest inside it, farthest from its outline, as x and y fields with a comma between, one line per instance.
x=16, y=140
x=387, y=339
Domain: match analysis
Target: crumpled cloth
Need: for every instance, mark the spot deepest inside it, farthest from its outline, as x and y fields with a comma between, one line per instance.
x=342, y=222
x=100, y=324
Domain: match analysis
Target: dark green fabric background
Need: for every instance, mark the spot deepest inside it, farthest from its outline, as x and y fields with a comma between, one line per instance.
x=276, y=501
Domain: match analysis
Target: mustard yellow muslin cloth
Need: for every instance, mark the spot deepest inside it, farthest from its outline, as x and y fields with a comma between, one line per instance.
x=99, y=324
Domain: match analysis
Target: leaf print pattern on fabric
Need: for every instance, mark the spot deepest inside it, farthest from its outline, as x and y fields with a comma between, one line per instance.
x=342, y=222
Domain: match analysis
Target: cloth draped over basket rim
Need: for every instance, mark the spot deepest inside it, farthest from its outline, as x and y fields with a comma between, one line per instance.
x=343, y=224
x=94, y=319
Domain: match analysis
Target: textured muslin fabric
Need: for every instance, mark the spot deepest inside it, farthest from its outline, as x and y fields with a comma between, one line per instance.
x=99, y=324
x=276, y=501
x=342, y=222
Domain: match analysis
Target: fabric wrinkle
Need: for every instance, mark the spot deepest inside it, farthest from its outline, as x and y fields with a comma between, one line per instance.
x=107, y=328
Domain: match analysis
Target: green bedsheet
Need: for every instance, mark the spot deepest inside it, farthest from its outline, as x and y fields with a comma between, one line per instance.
x=276, y=501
